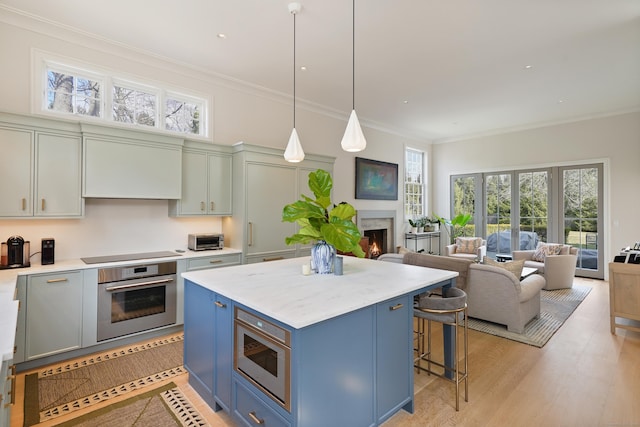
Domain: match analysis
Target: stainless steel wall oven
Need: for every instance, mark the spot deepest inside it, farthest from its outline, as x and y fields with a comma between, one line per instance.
x=263, y=355
x=136, y=298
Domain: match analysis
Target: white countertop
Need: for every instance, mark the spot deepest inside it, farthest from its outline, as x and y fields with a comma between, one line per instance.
x=279, y=289
x=9, y=307
x=8, y=320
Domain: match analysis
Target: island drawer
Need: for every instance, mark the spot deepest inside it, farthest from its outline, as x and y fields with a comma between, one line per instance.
x=253, y=411
x=213, y=261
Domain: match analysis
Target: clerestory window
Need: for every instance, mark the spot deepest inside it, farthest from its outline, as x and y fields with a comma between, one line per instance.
x=75, y=89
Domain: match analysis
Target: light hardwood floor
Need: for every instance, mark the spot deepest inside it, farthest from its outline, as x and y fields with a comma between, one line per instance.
x=584, y=376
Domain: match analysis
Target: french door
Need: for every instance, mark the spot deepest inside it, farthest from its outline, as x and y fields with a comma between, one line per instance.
x=518, y=209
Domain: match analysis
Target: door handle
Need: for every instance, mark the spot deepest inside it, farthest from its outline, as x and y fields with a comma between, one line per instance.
x=396, y=307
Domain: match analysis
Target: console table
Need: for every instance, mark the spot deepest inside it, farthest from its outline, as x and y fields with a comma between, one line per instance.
x=428, y=235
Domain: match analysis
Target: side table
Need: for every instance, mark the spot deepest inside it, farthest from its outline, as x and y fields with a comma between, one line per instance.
x=430, y=235
x=504, y=257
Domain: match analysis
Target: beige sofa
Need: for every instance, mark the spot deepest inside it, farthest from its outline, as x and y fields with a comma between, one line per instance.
x=558, y=270
x=459, y=265
x=496, y=295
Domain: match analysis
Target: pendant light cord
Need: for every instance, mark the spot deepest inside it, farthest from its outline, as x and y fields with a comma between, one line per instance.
x=294, y=70
x=353, y=47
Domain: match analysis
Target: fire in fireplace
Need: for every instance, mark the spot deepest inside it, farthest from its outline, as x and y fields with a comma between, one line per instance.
x=377, y=242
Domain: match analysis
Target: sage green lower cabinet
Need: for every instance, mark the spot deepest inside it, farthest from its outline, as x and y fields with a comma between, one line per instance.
x=53, y=313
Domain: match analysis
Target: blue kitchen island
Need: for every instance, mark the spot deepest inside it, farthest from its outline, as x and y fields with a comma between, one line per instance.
x=274, y=347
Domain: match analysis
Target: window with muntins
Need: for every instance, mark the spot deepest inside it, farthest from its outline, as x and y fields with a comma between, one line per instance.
x=74, y=92
x=414, y=190
x=74, y=89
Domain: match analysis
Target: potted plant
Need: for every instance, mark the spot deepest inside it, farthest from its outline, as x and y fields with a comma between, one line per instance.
x=456, y=223
x=330, y=225
x=430, y=224
x=414, y=225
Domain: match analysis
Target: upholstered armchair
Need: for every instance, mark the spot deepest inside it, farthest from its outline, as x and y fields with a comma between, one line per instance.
x=473, y=248
x=558, y=270
x=497, y=295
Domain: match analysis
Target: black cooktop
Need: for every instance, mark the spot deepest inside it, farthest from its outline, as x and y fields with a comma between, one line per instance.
x=128, y=257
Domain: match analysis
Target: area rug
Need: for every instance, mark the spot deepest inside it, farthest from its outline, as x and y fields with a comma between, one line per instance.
x=65, y=388
x=555, y=308
x=164, y=406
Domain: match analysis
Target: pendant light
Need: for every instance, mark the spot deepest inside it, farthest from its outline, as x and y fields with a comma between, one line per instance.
x=294, y=152
x=353, y=139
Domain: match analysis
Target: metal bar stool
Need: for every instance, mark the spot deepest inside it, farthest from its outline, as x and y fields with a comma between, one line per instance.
x=448, y=309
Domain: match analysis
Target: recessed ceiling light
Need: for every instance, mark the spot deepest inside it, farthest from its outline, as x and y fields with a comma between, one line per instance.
x=405, y=101
x=528, y=67
x=560, y=101
x=221, y=35
x=303, y=68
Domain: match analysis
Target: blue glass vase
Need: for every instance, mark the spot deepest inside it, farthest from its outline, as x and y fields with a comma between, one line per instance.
x=322, y=255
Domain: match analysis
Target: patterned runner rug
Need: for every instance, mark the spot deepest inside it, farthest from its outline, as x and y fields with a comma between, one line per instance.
x=65, y=388
x=164, y=406
x=555, y=308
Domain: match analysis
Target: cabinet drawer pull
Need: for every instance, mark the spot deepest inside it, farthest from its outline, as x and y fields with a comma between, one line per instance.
x=12, y=377
x=250, y=243
x=254, y=418
x=396, y=307
x=212, y=206
x=275, y=258
x=24, y=204
x=220, y=304
x=61, y=279
x=42, y=204
x=202, y=206
x=215, y=261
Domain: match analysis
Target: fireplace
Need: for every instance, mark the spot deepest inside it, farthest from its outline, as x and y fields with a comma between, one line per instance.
x=379, y=226
x=377, y=242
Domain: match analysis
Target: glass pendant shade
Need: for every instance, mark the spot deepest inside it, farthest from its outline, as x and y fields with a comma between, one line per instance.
x=294, y=152
x=353, y=139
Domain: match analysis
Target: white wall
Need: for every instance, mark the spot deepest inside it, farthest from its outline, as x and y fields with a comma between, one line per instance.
x=613, y=140
x=239, y=114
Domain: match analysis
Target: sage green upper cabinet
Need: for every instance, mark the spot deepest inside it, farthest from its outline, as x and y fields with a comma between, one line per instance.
x=16, y=163
x=58, y=190
x=263, y=183
x=131, y=165
x=42, y=163
x=206, y=181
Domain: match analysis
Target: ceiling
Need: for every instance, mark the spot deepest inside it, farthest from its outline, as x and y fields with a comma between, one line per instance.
x=432, y=69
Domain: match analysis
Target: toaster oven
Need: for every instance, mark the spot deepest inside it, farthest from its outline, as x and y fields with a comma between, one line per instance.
x=206, y=242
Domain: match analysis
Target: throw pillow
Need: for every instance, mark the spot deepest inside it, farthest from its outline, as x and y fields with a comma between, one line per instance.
x=468, y=245
x=403, y=250
x=545, y=249
x=514, y=267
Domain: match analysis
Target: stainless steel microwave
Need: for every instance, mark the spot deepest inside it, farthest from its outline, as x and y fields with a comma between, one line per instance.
x=206, y=242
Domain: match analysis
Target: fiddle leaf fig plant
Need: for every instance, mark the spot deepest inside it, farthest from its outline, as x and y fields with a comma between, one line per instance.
x=319, y=219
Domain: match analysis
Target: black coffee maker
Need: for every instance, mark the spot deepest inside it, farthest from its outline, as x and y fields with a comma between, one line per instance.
x=15, y=253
